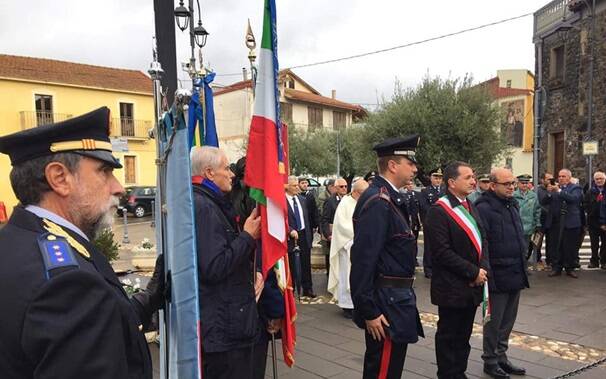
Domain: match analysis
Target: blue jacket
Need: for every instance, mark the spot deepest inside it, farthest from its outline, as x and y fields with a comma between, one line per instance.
x=384, y=245
x=569, y=201
x=228, y=310
x=506, y=242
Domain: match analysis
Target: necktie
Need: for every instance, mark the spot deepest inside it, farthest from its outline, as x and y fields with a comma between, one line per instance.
x=295, y=208
x=465, y=204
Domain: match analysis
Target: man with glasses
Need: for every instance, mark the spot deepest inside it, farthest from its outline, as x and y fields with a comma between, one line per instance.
x=328, y=216
x=507, y=241
x=563, y=224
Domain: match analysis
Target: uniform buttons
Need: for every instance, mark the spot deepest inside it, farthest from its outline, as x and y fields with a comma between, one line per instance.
x=391, y=298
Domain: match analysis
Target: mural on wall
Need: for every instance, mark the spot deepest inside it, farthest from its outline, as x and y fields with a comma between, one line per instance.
x=513, y=125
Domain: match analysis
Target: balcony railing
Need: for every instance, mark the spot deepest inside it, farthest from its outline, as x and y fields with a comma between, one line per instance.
x=31, y=119
x=128, y=127
x=546, y=18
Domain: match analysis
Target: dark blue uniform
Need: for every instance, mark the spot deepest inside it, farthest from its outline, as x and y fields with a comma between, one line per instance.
x=382, y=268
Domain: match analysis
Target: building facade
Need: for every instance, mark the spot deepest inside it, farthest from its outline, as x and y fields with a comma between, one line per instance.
x=301, y=106
x=36, y=92
x=570, y=69
x=513, y=92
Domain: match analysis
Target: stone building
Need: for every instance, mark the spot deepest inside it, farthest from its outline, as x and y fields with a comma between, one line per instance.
x=565, y=83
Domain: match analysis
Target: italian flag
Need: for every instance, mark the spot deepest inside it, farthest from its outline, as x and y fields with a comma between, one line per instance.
x=266, y=173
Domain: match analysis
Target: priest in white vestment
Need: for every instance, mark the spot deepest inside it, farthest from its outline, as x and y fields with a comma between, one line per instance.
x=342, y=239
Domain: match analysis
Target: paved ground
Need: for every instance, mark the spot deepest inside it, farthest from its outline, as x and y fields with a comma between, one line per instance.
x=558, y=317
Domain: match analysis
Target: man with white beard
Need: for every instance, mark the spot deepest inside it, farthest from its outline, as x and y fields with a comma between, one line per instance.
x=65, y=314
x=342, y=239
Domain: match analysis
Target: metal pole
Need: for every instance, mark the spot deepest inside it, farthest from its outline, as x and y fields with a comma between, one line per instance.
x=125, y=218
x=274, y=359
x=192, y=40
x=590, y=90
x=338, y=153
x=538, y=98
x=153, y=208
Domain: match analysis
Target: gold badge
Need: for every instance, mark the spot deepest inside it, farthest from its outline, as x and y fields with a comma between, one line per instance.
x=59, y=231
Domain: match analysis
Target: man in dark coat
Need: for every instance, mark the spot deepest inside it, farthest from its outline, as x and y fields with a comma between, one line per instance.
x=65, y=313
x=412, y=199
x=457, y=241
x=382, y=263
x=563, y=224
x=328, y=215
x=228, y=280
x=300, y=233
x=542, y=195
x=429, y=195
x=594, y=202
x=508, y=245
x=312, y=205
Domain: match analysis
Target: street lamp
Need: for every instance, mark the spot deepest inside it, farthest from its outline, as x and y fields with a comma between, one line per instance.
x=200, y=35
x=182, y=16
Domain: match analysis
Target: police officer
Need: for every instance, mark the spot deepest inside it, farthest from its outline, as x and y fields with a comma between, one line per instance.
x=383, y=263
x=429, y=195
x=65, y=314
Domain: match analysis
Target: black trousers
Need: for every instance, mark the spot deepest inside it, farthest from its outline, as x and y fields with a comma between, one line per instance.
x=232, y=364
x=564, y=257
x=452, y=341
x=305, y=257
x=383, y=359
x=598, y=245
x=260, y=360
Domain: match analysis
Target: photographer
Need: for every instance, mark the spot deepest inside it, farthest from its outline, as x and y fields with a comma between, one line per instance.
x=563, y=223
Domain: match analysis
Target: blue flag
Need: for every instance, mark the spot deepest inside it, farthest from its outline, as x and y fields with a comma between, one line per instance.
x=201, y=119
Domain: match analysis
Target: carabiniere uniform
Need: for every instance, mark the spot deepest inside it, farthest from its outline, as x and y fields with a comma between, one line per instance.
x=64, y=311
x=383, y=268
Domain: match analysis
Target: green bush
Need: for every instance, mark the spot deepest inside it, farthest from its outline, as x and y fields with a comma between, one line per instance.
x=106, y=245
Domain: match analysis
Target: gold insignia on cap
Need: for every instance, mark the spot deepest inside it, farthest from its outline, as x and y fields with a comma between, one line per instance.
x=84, y=144
x=59, y=231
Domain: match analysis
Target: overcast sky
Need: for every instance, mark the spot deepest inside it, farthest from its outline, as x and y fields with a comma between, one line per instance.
x=118, y=33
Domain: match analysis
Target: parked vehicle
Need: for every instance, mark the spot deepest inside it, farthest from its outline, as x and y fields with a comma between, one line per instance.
x=137, y=200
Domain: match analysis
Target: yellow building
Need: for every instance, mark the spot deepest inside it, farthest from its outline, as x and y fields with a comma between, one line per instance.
x=36, y=92
x=513, y=91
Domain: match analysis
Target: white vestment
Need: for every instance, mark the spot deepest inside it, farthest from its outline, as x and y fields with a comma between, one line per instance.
x=340, y=246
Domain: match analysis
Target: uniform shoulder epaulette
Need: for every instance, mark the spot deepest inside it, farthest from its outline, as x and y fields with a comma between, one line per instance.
x=56, y=253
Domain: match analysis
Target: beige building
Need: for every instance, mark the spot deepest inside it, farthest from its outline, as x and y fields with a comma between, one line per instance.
x=513, y=91
x=35, y=91
x=302, y=106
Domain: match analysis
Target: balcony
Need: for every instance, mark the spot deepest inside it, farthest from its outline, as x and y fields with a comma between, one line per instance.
x=32, y=119
x=548, y=18
x=130, y=128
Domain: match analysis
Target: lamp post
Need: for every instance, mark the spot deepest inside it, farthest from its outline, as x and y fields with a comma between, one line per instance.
x=251, y=43
x=184, y=17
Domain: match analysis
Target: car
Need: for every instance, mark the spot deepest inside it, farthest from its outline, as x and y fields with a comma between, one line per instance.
x=137, y=200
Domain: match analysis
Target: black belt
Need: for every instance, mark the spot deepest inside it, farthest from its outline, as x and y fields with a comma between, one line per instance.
x=394, y=282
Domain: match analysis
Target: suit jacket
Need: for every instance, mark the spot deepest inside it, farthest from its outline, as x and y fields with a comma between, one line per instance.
x=305, y=240
x=454, y=258
x=312, y=209
x=75, y=322
x=568, y=200
x=328, y=214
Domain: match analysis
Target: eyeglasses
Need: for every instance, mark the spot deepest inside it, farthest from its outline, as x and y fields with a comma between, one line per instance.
x=345, y=186
x=506, y=184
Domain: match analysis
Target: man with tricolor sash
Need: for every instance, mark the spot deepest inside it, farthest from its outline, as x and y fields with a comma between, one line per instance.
x=383, y=263
x=455, y=236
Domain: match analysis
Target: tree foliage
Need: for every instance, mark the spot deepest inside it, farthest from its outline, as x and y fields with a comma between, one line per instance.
x=456, y=121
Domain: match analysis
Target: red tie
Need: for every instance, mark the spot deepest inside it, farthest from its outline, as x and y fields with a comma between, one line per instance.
x=465, y=204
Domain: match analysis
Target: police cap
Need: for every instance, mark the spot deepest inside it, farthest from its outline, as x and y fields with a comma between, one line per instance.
x=484, y=178
x=370, y=175
x=436, y=172
x=86, y=135
x=405, y=147
x=524, y=178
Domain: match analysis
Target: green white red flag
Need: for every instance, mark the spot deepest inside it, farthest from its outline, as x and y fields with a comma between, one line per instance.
x=266, y=173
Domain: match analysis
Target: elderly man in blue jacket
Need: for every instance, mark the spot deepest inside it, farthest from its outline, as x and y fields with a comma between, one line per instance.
x=507, y=244
x=563, y=224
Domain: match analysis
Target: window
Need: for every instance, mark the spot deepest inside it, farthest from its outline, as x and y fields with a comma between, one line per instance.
x=557, y=63
x=286, y=112
x=314, y=118
x=509, y=84
x=44, y=109
x=339, y=120
x=289, y=83
x=127, y=123
x=129, y=169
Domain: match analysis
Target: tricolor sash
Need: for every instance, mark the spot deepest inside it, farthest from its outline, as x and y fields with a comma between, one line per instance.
x=466, y=221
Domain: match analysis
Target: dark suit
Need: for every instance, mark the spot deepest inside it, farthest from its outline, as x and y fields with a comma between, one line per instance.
x=456, y=264
x=429, y=195
x=563, y=226
x=312, y=209
x=304, y=242
x=326, y=220
x=76, y=322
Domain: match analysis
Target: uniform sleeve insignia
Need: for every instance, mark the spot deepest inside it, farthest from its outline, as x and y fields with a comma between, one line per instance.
x=58, y=231
x=56, y=253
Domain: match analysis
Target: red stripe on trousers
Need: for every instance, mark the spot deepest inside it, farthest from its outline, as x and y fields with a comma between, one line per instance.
x=385, y=358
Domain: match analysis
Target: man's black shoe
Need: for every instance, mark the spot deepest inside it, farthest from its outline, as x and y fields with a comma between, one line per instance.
x=348, y=313
x=554, y=273
x=593, y=265
x=309, y=293
x=572, y=274
x=509, y=368
x=603, y=266
x=495, y=371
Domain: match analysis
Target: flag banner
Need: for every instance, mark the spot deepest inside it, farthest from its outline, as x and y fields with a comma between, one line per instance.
x=182, y=310
x=201, y=125
x=266, y=173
